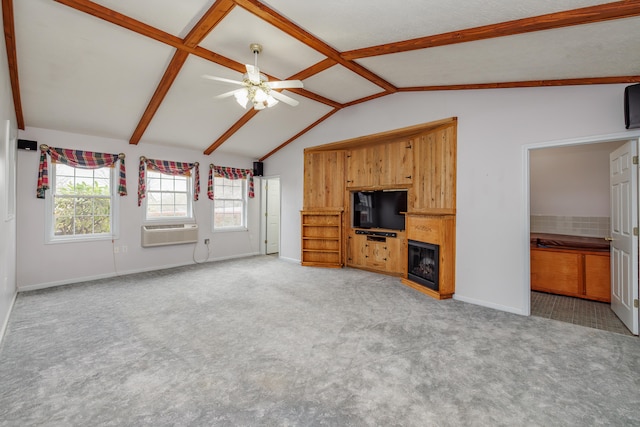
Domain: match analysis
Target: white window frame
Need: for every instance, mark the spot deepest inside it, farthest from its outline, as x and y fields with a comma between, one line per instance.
x=189, y=218
x=218, y=197
x=50, y=236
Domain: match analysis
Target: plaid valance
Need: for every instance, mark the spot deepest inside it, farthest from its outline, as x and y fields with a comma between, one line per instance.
x=78, y=159
x=169, y=168
x=229, y=173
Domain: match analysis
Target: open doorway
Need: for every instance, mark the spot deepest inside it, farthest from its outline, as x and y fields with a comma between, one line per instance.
x=270, y=215
x=570, y=205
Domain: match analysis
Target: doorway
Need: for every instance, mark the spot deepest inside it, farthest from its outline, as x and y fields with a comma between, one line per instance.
x=270, y=215
x=568, y=183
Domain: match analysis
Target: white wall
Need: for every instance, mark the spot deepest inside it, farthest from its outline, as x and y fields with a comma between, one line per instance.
x=7, y=225
x=42, y=265
x=571, y=181
x=495, y=129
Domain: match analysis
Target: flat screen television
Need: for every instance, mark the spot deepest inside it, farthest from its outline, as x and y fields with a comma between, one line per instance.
x=379, y=209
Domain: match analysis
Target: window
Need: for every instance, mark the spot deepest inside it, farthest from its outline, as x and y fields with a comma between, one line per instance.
x=168, y=196
x=82, y=204
x=229, y=204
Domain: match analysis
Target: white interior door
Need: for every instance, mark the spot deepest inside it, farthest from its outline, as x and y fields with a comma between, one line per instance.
x=273, y=216
x=623, y=179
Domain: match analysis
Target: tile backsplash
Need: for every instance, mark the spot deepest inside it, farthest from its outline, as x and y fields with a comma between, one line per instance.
x=592, y=226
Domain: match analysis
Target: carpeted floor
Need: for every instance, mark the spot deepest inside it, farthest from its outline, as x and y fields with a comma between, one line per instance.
x=261, y=341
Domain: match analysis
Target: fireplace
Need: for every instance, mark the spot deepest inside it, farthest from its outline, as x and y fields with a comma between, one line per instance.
x=424, y=262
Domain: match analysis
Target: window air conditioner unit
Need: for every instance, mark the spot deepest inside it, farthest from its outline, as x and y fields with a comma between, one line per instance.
x=170, y=234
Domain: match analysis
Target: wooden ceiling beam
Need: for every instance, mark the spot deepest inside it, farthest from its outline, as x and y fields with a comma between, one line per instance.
x=123, y=21
x=585, y=15
x=211, y=18
x=233, y=129
x=530, y=83
x=314, y=69
x=274, y=18
x=170, y=74
x=299, y=134
x=12, y=58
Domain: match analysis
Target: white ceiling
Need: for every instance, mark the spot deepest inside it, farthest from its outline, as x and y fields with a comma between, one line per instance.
x=80, y=73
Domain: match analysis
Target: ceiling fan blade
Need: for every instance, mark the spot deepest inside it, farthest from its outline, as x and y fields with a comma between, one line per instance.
x=228, y=94
x=284, y=98
x=285, y=84
x=221, y=79
x=253, y=73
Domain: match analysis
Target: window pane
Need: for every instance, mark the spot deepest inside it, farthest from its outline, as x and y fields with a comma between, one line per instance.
x=229, y=203
x=166, y=184
x=180, y=184
x=168, y=196
x=81, y=201
x=153, y=184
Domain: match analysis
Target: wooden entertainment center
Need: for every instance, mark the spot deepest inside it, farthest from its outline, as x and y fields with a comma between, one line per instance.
x=420, y=160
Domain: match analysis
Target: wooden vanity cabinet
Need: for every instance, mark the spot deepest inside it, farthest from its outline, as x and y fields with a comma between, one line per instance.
x=575, y=273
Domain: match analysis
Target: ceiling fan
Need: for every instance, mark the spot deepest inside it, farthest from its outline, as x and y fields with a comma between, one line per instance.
x=256, y=88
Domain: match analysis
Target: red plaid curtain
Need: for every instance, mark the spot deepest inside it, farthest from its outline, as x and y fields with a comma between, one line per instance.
x=229, y=173
x=170, y=168
x=78, y=159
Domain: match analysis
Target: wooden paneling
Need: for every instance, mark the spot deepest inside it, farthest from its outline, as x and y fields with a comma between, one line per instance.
x=420, y=158
x=324, y=180
x=435, y=171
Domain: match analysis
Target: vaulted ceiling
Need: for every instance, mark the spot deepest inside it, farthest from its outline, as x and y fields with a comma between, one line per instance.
x=132, y=70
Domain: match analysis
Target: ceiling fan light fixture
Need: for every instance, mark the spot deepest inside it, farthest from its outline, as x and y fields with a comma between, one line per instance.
x=242, y=97
x=271, y=101
x=256, y=87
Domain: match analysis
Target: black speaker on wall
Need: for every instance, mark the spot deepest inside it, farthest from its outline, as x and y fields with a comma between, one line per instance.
x=25, y=144
x=258, y=168
x=632, y=106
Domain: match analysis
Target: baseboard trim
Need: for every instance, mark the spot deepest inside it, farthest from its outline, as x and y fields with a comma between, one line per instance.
x=47, y=285
x=5, y=321
x=489, y=304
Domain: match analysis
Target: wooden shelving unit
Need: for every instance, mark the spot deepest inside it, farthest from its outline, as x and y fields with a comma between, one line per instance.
x=322, y=238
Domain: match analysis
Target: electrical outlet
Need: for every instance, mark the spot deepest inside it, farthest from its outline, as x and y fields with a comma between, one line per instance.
x=206, y=241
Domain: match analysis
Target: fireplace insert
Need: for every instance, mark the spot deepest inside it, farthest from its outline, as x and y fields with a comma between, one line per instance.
x=424, y=263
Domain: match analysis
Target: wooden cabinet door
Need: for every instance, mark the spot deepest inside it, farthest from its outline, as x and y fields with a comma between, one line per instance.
x=396, y=254
x=324, y=180
x=381, y=165
x=435, y=171
x=396, y=163
x=557, y=272
x=356, y=249
x=376, y=253
x=597, y=272
x=360, y=167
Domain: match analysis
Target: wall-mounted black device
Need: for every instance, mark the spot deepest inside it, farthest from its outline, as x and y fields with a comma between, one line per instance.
x=25, y=144
x=632, y=106
x=258, y=168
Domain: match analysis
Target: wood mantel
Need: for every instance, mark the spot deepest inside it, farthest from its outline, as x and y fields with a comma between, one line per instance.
x=438, y=230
